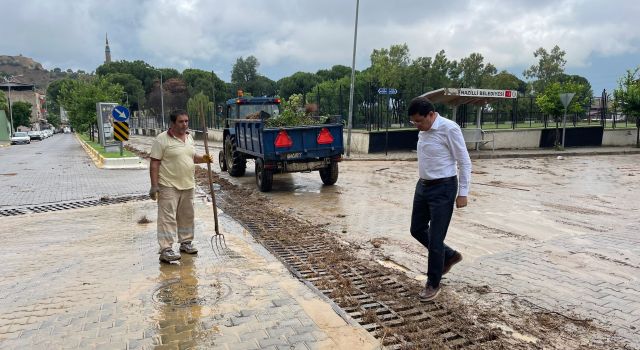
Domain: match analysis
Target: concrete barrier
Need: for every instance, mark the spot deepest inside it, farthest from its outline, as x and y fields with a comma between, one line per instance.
x=619, y=137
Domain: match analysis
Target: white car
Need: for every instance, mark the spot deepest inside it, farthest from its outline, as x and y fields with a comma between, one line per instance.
x=20, y=137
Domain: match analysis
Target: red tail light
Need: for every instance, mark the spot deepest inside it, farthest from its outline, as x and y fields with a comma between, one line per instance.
x=283, y=140
x=325, y=137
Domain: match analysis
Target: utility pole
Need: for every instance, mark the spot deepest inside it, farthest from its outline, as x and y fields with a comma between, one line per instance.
x=353, y=78
x=213, y=98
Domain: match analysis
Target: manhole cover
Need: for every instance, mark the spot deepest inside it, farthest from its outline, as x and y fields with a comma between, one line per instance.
x=179, y=293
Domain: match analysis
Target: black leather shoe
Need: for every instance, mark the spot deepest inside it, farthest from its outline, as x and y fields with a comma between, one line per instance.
x=429, y=293
x=456, y=258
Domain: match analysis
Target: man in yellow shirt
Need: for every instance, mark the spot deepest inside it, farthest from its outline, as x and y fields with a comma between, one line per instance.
x=173, y=159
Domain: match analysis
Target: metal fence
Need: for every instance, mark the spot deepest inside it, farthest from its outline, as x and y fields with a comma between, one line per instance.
x=373, y=111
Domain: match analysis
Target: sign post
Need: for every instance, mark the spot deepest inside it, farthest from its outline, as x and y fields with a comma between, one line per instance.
x=120, y=126
x=565, y=99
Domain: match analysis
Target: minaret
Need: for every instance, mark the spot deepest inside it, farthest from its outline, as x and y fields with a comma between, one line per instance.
x=107, y=51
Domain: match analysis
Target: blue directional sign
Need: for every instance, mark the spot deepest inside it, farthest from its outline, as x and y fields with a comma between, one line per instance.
x=120, y=113
x=387, y=91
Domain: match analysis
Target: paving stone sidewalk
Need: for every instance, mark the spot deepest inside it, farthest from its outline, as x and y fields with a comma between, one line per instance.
x=90, y=279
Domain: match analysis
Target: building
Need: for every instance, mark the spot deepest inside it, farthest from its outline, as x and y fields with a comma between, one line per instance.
x=26, y=92
x=107, y=50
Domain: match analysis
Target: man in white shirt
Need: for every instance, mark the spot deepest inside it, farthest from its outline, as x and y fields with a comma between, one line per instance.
x=441, y=150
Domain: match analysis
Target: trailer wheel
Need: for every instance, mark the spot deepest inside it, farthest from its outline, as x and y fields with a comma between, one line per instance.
x=329, y=175
x=236, y=163
x=264, y=177
x=221, y=161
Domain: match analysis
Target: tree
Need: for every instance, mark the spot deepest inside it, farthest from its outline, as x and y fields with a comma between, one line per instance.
x=79, y=98
x=244, y=71
x=175, y=96
x=198, y=80
x=627, y=95
x=21, y=114
x=199, y=107
x=131, y=86
x=336, y=72
x=298, y=83
x=505, y=80
x=389, y=65
x=4, y=105
x=549, y=101
x=475, y=73
x=550, y=66
x=144, y=72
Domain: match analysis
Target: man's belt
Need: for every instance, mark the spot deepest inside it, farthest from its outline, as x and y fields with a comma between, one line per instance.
x=426, y=182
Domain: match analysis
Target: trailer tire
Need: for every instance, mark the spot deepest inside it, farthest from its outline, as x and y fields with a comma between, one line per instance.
x=236, y=163
x=264, y=177
x=221, y=161
x=329, y=175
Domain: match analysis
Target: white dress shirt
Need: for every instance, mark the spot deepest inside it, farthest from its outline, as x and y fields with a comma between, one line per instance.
x=439, y=148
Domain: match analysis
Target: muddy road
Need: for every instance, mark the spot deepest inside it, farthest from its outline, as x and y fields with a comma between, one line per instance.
x=549, y=247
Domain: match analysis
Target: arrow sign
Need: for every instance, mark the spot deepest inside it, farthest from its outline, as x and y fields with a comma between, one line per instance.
x=566, y=98
x=120, y=113
x=387, y=91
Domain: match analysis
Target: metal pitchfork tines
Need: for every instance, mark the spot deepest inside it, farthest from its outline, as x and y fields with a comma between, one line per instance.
x=218, y=243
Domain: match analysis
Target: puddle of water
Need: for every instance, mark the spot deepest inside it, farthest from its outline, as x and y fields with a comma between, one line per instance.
x=514, y=334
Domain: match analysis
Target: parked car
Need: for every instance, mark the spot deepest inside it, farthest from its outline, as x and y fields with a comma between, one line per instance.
x=36, y=135
x=20, y=137
x=67, y=130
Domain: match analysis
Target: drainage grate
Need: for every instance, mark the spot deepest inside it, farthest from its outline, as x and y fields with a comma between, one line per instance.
x=71, y=205
x=374, y=304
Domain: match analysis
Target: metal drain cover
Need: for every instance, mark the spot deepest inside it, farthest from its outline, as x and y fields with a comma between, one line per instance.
x=178, y=293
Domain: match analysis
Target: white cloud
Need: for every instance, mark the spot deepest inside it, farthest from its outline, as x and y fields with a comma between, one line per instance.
x=291, y=35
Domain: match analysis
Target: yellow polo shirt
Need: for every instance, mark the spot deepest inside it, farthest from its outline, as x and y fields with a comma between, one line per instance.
x=177, y=168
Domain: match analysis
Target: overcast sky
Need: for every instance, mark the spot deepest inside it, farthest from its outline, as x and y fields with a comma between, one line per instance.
x=600, y=37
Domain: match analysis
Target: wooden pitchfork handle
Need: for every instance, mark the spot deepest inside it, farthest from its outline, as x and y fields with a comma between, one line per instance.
x=206, y=151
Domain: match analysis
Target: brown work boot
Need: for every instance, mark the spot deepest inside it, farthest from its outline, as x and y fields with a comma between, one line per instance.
x=188, y=248
x=429, y=293
x=456, y=258
x=168, y=255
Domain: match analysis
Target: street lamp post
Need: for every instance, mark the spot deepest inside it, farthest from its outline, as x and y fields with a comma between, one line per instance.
x=11, y=110
x=353, y=78
x=164, y=123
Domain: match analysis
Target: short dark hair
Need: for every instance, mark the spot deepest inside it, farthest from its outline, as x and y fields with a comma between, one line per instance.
x=174, y=115
x=421, y=106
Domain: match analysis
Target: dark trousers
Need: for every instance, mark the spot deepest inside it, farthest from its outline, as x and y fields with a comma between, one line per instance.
x=432, y=210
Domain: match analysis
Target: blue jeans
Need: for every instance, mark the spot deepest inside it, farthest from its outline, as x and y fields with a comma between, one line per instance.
x=432, y=210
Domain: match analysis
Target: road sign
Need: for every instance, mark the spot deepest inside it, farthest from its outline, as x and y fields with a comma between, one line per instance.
x=566, y=98
x=121, y=131
x=387, y=91
x=120, y=113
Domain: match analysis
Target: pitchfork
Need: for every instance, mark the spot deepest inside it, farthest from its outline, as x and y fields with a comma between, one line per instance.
x=217, y=241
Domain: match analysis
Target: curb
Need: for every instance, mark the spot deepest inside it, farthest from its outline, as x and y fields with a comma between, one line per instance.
x=112, y=163
x=509, y=155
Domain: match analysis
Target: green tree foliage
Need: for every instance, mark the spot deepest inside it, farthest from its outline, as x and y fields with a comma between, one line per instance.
x=389, y=65
x=627, y=95
x=549, y=101
x=475, y=73
x=4, y=104
x=505, y=81
x=548, y=69
x=292, y=114
x=131, y=86
x=298, y=83
x=336, y=72
x=199, y=107
x=21, y=114
x=244, y=71
x=79, y=98
x=202, y=81
x=144, y=72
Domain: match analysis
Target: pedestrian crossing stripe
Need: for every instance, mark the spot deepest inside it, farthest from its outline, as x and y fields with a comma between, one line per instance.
x=121, y=131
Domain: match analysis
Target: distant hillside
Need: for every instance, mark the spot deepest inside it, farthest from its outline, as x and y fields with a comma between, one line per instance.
x=25, y=70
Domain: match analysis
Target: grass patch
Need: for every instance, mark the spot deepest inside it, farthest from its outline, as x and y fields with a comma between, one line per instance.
x=100, y=149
